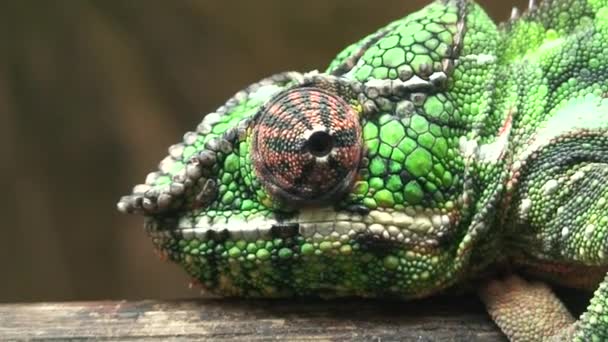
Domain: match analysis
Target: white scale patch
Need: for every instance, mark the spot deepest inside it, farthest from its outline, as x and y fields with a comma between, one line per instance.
x=524, y=208
x=550, y=187
x=548, y=46
x=590, y=112
x=493, y=151
x=264, y=92
x=319, y=224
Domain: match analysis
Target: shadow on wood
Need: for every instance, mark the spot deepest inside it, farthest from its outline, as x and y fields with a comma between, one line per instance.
x=437, y=319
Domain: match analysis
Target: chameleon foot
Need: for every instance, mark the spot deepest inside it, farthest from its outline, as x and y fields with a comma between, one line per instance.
x=526, y=311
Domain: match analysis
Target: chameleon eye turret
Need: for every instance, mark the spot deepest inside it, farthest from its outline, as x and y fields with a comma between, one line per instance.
x=306, y=145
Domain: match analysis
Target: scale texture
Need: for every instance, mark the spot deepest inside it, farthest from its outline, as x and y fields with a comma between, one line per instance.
x=442, y=151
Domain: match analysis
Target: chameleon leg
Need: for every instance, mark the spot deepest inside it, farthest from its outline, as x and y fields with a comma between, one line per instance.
x=525, y=311
x=563, y=218
x=593, y=324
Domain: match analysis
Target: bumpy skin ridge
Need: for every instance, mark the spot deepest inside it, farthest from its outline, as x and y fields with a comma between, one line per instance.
x=433, y=153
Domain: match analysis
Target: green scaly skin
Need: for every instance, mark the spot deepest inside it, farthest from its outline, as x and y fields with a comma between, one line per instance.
x=483, y=146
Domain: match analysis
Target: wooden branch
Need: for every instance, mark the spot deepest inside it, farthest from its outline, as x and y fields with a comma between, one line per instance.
x=440, y=319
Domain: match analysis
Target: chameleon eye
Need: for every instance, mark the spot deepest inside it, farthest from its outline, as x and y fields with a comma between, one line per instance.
x=306, y=145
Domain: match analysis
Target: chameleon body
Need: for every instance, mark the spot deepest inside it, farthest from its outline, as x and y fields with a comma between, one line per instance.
x=430, y=154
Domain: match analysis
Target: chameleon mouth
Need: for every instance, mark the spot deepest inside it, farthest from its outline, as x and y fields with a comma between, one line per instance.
x=412, y=225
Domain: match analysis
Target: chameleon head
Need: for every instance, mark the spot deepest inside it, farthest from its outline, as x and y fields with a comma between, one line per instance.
x=349, y=182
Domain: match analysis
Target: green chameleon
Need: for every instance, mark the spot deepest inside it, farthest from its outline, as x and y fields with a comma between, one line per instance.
x=441, y=151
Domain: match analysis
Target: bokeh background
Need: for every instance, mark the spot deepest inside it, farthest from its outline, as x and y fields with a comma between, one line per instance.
x=92, y=92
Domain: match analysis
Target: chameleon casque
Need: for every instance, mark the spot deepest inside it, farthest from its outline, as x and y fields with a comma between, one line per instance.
x=430, y=154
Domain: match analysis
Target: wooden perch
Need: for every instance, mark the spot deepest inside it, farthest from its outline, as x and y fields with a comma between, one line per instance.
x=437, y=319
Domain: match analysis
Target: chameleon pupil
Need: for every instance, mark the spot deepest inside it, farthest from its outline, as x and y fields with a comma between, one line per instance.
x=306, y=145
x=320, y=144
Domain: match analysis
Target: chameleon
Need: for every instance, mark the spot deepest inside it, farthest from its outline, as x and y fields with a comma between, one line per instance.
x=442, y=151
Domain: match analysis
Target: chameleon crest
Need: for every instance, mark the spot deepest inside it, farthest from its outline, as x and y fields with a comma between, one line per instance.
x=432, y=153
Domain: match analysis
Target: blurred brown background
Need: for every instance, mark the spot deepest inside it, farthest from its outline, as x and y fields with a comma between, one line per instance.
x=93, y=92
